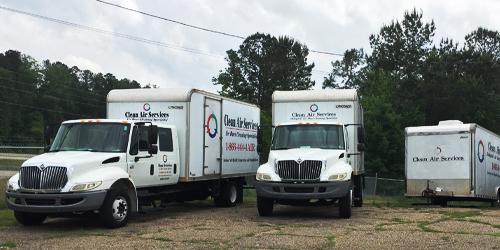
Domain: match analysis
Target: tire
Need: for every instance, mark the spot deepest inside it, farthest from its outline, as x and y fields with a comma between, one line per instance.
x=228, y=195
x=358, y=191
x=345, y=205
x=29, y=219
x=115, y=210
x=265, y=206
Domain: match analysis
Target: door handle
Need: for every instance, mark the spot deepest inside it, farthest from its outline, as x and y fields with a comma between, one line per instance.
x=152, y=169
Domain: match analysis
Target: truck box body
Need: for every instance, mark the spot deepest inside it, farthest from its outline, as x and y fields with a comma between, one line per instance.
x=217, y=135
x=452, y=160
x=339, y=106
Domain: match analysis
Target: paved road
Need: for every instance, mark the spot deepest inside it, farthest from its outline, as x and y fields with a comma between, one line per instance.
x=201, y=226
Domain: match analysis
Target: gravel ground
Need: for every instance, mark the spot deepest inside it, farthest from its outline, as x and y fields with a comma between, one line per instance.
x=201, y=226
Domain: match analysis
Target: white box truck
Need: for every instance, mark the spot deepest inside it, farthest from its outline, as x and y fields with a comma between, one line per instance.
x=316, y=155
x=157, y=144
x=452, y=161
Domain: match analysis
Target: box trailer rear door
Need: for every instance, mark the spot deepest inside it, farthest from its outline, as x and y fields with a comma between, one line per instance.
x=439, y=161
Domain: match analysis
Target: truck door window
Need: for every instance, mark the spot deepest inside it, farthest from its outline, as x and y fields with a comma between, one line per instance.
x=165, y=135
x=139, y=140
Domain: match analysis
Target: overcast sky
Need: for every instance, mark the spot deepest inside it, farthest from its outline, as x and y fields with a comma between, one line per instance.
x=325, y=25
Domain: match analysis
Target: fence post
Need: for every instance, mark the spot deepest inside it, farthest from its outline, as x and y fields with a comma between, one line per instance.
x=375, y=185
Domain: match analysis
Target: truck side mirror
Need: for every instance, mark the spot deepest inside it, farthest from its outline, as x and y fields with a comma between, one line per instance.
x=47, y=134
x=259, y=140
x=153, y=138
x=361, y=147
x=153, y=149
x=361, y=135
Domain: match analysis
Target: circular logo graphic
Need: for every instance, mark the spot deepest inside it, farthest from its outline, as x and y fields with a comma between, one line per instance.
x=314, y=108
x=146, y=106
x=212, y=125
x=480, y=151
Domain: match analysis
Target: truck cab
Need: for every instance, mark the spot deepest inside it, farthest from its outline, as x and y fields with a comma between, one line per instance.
x=316, y=156
x=94, y=166
x=308, y=164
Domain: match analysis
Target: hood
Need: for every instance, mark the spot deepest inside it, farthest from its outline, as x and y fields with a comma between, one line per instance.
x=329, y=155
x=76, y=161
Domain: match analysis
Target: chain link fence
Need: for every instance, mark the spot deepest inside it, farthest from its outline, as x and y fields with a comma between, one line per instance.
x=384, y=186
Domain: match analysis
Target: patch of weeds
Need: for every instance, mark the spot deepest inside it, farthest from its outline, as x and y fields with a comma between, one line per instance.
x=7, y=218
x=7, y=244
x=162, y=239
x=393, y=221
x=460, y=214
x=445, y=238
x=391, y=201
x=331, y=241
x=424, y=226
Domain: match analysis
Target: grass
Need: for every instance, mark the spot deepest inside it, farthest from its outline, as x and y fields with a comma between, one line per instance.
x=391, y=201
x=6, y=216
x=460, y=214
x=7, y=245
x=11, y=165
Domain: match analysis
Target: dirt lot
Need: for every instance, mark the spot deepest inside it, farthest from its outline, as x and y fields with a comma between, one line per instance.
x=199, y=225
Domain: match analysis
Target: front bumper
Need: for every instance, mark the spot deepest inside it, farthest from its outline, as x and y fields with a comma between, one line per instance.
x=302, y=191
x=56, y=202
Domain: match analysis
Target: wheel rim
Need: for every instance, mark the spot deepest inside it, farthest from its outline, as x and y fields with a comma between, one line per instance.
x=232, y=193
x=119, y=209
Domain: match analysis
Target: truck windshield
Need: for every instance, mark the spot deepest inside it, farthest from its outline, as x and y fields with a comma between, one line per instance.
x=95, y=137
x=308, y=135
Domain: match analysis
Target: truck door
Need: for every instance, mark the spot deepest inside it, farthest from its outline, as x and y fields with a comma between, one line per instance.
x=141, y=165
x=168, y=156
x=212, y=138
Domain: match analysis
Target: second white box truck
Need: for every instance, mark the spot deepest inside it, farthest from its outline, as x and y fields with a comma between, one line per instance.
x=157, y=144
x=452, y=161
x=316, y=154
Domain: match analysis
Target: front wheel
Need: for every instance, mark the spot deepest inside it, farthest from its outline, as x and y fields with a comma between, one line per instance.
x=265, y=206
x=345, y=205
x=29, y=219
x=116, y=209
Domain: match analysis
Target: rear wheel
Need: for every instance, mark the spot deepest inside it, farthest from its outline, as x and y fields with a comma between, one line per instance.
x=228, y=195
x=265, y=206
x=29, y=219
x=116, y=209
x=345, y=205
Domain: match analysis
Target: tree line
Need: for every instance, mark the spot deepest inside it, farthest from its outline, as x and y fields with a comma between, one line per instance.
x=409, y=78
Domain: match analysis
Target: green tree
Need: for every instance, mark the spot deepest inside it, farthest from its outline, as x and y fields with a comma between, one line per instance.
x=345, y=72
x=263, y=64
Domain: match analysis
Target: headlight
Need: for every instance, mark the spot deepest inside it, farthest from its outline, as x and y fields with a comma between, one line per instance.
x=337, y=177
x=86, y=186
x=263, y=177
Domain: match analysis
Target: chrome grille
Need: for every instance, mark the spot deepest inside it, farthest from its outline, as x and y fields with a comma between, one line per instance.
x=306, y=170
x=51, y=178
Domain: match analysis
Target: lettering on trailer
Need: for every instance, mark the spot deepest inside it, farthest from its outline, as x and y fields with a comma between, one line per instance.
x=240, y=127
x=492, y=152
x=438, y=158
x=316, y=114
x=147, y=114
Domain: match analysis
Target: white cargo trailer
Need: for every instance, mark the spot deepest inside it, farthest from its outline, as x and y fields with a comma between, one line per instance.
x=157, y=144
x=452, y=161
x=317, y=151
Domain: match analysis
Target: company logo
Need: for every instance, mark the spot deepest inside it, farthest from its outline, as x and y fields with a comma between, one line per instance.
x=438, y=150
x=212, y=125
x=314, y=108
x=146, y=106
x=299, y=161
x=480, y=151
x=42, y=167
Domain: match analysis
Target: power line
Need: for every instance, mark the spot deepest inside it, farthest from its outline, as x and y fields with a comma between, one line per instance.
x=42, y=109
x=107, y=32
x=199, y=27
